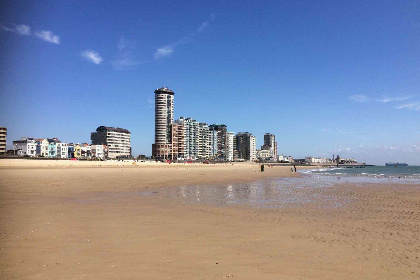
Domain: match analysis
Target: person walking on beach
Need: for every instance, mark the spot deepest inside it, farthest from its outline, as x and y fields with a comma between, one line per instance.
x=262, y=167
x=294, y=167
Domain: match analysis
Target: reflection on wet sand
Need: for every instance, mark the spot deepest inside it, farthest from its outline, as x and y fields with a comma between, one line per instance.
x=273, y=192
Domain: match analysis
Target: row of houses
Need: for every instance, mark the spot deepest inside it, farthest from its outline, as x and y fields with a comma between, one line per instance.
x=54, y=148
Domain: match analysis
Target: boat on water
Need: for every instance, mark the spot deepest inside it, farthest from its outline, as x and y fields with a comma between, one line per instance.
x=396, y=164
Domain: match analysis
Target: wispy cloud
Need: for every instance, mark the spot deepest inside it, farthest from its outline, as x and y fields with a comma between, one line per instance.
x=21, y=29
x=164, y=51
x=169, y=49
x=92, y=56
x=411, y=106
x=48, y=36
x=124, y=59
x=359, y=98
x=205, y=24
x=393, y=99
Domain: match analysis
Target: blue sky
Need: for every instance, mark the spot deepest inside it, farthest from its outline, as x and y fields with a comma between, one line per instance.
x=326, y=77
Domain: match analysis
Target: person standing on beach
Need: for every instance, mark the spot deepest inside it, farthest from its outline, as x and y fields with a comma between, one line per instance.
x=294, y=167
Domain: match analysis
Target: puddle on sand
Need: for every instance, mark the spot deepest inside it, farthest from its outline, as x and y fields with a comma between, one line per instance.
x=273, y=192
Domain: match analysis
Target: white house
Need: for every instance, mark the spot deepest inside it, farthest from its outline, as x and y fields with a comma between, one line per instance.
x=62, y=150
x=42, y=147
x=283, y=158
x=98, y=151
x=25, y=147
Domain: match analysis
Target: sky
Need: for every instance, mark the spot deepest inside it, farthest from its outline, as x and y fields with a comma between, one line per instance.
x=326, y=77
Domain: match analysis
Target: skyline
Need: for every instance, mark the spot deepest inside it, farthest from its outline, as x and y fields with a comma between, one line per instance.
x=325, y=78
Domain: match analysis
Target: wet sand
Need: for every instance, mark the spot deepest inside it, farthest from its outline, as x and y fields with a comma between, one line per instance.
x=117, y=222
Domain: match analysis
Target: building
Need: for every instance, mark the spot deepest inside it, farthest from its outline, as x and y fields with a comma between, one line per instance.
x=42, y=147
x=230, y=146
x=246, y=146
x=52, y=147
x=178, y=141
x=25, y=147
x=99, y=151
x=3, y=136
x=118, y=140
x=86, y=151
x=164, y=117
x=204, y=142
x=62, y=150
x=70, y=150
x=270, y=144
x=77, y=151
x=317, y=160
x=218, y=141
x=264, y=154
x=191, y=138
x=283, y=158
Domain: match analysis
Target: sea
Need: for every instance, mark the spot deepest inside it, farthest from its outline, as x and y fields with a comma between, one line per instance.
x=406, y=173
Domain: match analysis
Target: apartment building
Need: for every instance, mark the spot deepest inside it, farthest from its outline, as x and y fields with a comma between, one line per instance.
x=118, y=140
x=178, y=141
x=270, y=144
x=164, y=117
x=42, y=147
x=52, y=147
x=3, y=137
x=62, y=150
x=191, y=137
x=99, y=151
x=204, y=141
x=219, y=139
x=246, y=146
x=25, y=147
x=230, y=146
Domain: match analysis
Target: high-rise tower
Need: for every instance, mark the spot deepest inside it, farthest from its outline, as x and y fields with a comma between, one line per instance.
x=164, y=116
x=270, y=144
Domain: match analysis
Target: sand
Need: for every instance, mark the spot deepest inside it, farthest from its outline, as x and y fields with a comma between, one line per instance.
x=86, y=221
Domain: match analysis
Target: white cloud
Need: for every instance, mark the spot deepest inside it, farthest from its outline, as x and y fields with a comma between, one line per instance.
x=48, y=36
x=164, y=51
x=21, y=29
x=392, y=99
x=169, y=48
x=359, y=98
x=411, y=106
x=92, y=56
x=124, y=59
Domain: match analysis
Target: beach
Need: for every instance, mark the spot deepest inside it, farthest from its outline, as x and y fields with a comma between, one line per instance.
x=116, y=220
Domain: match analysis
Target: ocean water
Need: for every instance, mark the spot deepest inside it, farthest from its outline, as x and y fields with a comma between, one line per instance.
x=391, y=172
